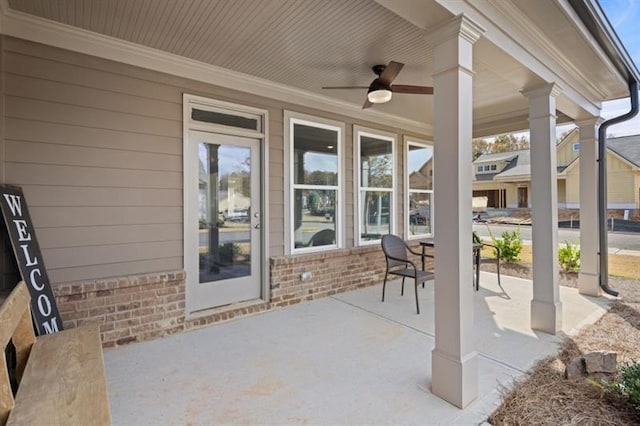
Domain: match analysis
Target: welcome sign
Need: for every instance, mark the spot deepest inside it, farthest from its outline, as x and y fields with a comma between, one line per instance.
x=27, y=253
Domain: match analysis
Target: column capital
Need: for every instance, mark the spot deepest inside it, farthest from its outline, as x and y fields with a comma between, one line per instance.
x=458, y=26
x=589, y=122
x=550, y=90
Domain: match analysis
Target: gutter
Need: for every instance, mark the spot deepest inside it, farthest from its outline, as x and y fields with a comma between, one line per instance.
x=600, y=28
x=602, y=186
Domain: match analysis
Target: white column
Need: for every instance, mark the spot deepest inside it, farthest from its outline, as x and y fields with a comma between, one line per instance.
x=546, y=308
x=454, y=360
x=588, y=280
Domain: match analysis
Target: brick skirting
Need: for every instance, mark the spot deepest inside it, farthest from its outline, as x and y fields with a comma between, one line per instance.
x=144, y=307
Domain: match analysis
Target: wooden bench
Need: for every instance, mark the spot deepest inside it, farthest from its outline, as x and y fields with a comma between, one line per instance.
x=61, y=376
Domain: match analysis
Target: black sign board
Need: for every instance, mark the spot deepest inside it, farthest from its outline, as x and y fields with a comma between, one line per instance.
x=27, y=253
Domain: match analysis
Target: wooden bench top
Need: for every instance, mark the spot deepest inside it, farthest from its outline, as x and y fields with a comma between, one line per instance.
x=64, y=382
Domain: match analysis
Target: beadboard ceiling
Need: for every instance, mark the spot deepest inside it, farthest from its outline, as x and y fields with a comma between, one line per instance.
x=304, y=44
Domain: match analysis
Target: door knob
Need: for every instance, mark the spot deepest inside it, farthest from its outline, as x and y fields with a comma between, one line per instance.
x=257, y=226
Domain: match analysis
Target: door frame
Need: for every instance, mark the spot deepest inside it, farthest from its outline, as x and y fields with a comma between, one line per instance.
x=189, y=102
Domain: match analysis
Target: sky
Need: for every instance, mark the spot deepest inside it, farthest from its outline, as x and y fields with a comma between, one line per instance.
x=624, y=16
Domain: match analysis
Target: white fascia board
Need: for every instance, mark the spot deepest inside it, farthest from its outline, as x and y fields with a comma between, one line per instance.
x=32, y=28
x=499, y=31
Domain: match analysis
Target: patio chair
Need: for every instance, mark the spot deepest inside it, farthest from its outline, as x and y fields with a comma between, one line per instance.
x=324, y=237
x=496, y=260
x=398, y=263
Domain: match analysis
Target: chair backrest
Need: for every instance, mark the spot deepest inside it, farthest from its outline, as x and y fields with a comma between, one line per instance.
x=394, y=246
x=15, y=325
x=323, y=238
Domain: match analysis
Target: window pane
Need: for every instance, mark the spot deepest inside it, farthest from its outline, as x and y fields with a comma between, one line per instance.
x=314, y=216
x=375, y=213
x=376, y=163
x=315, y=155
x=420, y=167
x=224, y=206
x=232, y=120
x=419, y=213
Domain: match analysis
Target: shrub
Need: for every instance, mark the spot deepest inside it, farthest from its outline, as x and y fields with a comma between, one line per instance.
x=510, y=245
x=569, y=257
x=626, y=384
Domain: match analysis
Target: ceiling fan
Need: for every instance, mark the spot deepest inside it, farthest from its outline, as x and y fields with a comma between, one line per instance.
x=381, y=89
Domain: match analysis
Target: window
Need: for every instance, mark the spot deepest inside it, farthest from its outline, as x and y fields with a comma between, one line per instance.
x=314, y=173
x=376, y=183
x=419, y=184
x=487, y=168
x=576, y=147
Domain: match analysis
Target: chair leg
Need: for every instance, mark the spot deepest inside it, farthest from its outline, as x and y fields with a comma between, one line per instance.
x=417, y=304
x=384, y=284
x=498, y=269
x=402, y=288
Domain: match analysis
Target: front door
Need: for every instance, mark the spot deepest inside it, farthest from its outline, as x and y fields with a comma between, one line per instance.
x=222, y=232
x=523, y=198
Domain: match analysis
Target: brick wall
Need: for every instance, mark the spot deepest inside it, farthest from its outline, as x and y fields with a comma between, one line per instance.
x=144, y=307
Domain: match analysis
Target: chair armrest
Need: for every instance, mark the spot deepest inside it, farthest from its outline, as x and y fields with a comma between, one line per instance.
x=419, y=253
x=493, y=246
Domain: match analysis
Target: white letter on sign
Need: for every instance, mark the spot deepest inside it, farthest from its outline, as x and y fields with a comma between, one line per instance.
x=50, y=328
x=32, y=278
x=21, y=226
x=14, y=204
x=25, y=250
x=41, y=298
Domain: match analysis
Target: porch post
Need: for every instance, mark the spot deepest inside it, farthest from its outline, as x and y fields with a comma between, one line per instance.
x=454, y=360
x=588, y=280
x=546, y=308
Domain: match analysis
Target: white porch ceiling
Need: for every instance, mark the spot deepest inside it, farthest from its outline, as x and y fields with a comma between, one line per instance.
x=310, y=44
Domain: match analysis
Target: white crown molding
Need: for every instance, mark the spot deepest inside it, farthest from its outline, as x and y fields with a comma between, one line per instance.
x=504, y=34
x=551, y=90
x=458, y=26
x=32, y=28
x=511, y=12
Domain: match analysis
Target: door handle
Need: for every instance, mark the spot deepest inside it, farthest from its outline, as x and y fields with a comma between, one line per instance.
x=257, y=226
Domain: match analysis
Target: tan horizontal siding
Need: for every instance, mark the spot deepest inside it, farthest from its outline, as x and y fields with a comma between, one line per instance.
x=108, y=269
x=37, y=131
x=71, y=94
x=80, y=236
x=65, y=155
x=17, y=107
x=69, y=69
x=96, y=255
x=45, y=174
x=99, y=216
x=59, y=196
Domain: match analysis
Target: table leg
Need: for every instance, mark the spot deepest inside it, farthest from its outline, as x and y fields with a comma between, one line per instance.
x=477, y=260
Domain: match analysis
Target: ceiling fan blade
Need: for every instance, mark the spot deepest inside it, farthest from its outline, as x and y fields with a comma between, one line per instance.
x=418, y=90
x=391, y=72
x=367, y=104
x=345, y=87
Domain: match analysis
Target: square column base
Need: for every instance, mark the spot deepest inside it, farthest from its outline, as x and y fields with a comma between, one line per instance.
x=546, y=316
x=454, y=381
x=589, y=284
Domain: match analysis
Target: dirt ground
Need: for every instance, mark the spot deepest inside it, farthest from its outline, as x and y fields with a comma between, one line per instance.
x=544, y=396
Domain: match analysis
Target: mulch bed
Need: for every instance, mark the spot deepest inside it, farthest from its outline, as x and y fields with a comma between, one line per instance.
x=544, y=397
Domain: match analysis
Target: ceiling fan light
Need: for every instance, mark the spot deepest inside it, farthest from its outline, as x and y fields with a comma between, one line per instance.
x=379, y=96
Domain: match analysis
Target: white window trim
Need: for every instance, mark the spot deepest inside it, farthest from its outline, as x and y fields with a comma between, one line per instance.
x=426, y=144
x=291, y=118
x=359, y=131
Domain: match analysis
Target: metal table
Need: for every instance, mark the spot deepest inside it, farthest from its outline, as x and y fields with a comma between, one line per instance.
x=476, y=257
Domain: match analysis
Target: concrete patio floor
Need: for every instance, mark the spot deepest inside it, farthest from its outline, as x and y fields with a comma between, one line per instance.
x=347, y=359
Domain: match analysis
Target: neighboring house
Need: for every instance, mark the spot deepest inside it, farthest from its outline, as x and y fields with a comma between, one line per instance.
x=111, y=111
x=505, y=178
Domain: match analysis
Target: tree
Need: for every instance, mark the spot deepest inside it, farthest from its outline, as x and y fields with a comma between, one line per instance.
x=479, y=147
x=508, y=143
